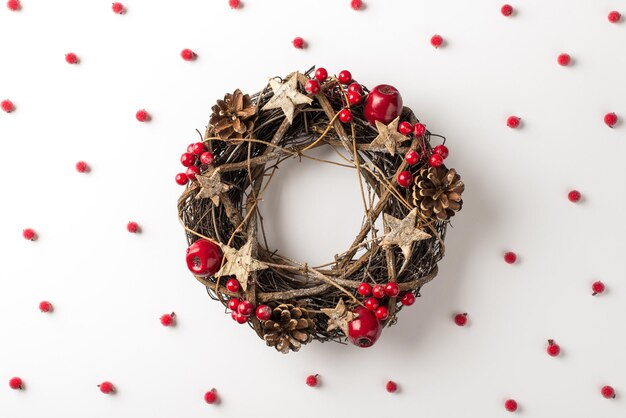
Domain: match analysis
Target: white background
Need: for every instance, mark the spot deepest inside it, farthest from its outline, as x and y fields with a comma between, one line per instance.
x=109, y=287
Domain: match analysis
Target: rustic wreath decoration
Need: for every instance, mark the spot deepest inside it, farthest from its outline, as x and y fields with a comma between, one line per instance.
x=401, y=179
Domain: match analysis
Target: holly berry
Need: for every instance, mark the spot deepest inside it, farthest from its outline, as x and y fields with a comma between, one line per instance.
x=187, y=54
x=435, y=160
x=460, y=319
x=312, y=86
x=510, y=405
x=513, y=122
x=553, y=348
x=233, y=303
x=240, y=318
x=188, y=159
x=564, y=59
x=574, y=196
x=211, y=396
x=441, y=150
x=181, y=178
x=311, y=380
x=7, y=106
x=371, y=304
x=365, y=329
x=298, y=42
x=321, y=74
x=106, y=387
x=345, y=77
x=29, y=234
x=354, y=98
x=510, y=257
x=245, y=308
x=263, y=312
x=71, y=58
x=383, y=104
x=608, y=392
x=405, y=179
x=391, y=386
x=407, y=299
x=207, y=158
x=345, y=116
x=234, y=4
x=365, y=289
x=45, y=306
x=192, y=172
x=197, y=148
x=142, y=115
x=82, y=167
x=436, y=41
x=610, y=119
x=378, y=291
x=405, y=128
x=392, y=289
x=16, y=383
x=167, y=320
x=232, y=285
x=118, y=8
x=14, y=5
x=132, y=227
x=597, y=288
x=507, y=10
x=419, y=129
x=614, y=16
x=382, y=313
x=356, y=4
x=411, y=157
x=356, y=88
x=204, y=258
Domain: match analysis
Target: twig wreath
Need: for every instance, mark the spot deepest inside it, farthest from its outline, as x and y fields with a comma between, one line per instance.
x=401, y=178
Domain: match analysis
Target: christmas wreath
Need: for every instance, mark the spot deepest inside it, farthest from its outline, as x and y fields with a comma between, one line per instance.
x=401, y=178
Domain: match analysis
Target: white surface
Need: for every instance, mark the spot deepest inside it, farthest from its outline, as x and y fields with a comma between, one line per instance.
x=109, y=287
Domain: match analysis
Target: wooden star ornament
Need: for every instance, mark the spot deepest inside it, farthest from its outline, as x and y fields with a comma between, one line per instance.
x=211, y=186
x=286, y=96
x=339, y=317
x=403, y=233
x=240, y=263
x=388, y=137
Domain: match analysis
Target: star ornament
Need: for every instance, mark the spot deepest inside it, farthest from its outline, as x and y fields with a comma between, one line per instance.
x=286, y=96
x=403, y=233
x=211, y=186
x=339, y=317
x=240, y=263
x=388, y=137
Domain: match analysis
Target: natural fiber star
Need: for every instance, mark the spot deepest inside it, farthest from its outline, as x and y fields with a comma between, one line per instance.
x=388, y=137
x=211, y=186
x=403, y=233
x=239, y=263
x=286, y=96
x=339, y=317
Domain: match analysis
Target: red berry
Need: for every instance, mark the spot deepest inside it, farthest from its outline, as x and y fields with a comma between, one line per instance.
x=192, y=172
x=240, y=318
x=106, y=387
x=263, y=312
x=345, y=116
x=142, y=115
x=207, y=158
x=405, y=128
x=16, y=383
x=14, y=5
x=512, y=121
x=610, y=119
x=378, y=291
x=553, y=348
x=574, y=196
x=614, y=16
x=7, y=106
x=187, y=54
x=311, y=380
x=405, y=179
x=118, y=8
x=365, y=329
x=419, y=129
x=510, y=405
x=321, y=74
x=232, y=285
x=412, y=157
x=298, y=42
x=442, y=150
x=507, y=10
x=45, y=306
x=29, y=234
x=382, y=313
x=211, y=396
x=181, y=178
x=345, y=77
x=132, y=227
x=245, y=308
x=608, y=392
x=392, y=289
x=71, y=58
x=510, y=257
x=82, y=167
x=564, y=59
x=197, y=148
x=597, y=287
x=204, y=258
x=355, y=87
x=356, y=4
x=460, y=319
x=436, y=41
x=187, y=159
x=312, y=86
x=435, y=160
x=234, y=4
x=233, y=303
x=391, y=386
x=365, y=289
x=371, y=304
x=354, y=98
x=167, y=320
x=407, y=299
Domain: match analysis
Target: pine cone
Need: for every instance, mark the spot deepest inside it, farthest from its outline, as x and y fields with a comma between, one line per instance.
x=232, y=117
x=437, y=192
x=289, y=327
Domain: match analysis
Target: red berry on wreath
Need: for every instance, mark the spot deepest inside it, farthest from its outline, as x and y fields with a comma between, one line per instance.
x=240, y=318
x=344, y=77
x=365, y=329
x=435, y=160
x=614, y=16
x=142, y=115
x=597, y=288
x=355, y=87
x=181, y=178
x=45, y=306
x=553, y=348
x=608, y=392
x=14, y=5
x=234, y=4
x=233, y=285
x=460, y=319
x=513, y=122
x=442, y=150
x=610, y=119
x=7, y=106
x=574, y=196
x=311, y=380
x=382, y=313
x=507, y=10
x=197, y=148
x=407, y=299
x=411, y=157
x=233, y=303
x=371, y=304
x=82, y=167
x=356, y=4
x=211, y=396
x=118, y=8
x=436, y=41
x=392, y=289
x=345, y=116
x=29, y=234
x=510, y=405
x=383, y=104
x=510, y=257
x=132, y=227
x=405, y=128
x=245, y=308
x=354, y=98
x=263, y=312
x=192, y=172
x=298, y=42
x=419, y=129
x=405, y=179
x=71, y=58
x=391, y=386
x=167, y=320
x=188, y=159
x=106, y=387
x=364, y=289
x=16, y=383
x=204, y=258
x=378, y=291
x=207, y=158
x=312, y=87
x=321, y=74
x=564, y=59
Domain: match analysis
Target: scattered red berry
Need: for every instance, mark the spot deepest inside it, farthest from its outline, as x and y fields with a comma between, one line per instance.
x=354, y=98
x=378, y=291
x=614, y=16
x=211, y=396
x=436, y=41
x=312, y=86
x=405, y=179
x=608, y=392
x=597, y=288
x=311, y=380
x=507, y=10
x=192, y=172
x=382, y=313
x=513, y=122
x=610, y=119
x=355, y=87
x=407, y=299
x=188, y=159
x=29, y=234
x=167, y=320
x=181, y=178
x=564, y=59
x=14, y=5
x=419, y=129
x=345, y=116
x=16, y=383
x=234, y=4
x=233, y=303
x=207, y=158
x=71, y=58
x=392, y=289
x=405, y=128
x=7, y=106
x=510, y=257
x=574, y=196
x=233, y=285
x=82, y=167
x=412, y=157
x=298, y=42
x=142, y=115
x=345, y=77
x=245, y=308
x=45, y=306
x=460, y=319
x=187, y=54
x=371, y=304
x=239, y=317
x=553, y=348
x=510, y=405
x=435, y=160
x=356, y=4
x=132, y=227
x=263, y=312
x=106, y=387
x=118, y=8
x=365, y=289
x=391, y=386
x=442, y=150
x=321, y=74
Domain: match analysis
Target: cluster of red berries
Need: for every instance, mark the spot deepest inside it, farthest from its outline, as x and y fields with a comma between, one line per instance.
x=241, y=310
x=354, y=90
x=196, y=156
x=376, y=293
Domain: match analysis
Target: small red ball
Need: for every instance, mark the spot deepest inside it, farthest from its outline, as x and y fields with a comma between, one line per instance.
x=378, y=291
x=142, y=115
x=7, y=106
x=564, y=59
x=356, y=4
x=192, y=172
x=239, y=317
x=106, y=387
x=419, y=129
x=382, y=313
x=263, y=312
x=553, y=348
x=510, y=405
x=345, y=77
x=71, y=58
x=132, y=227
x=311, y=380
x=16, y=383
x=345, y=116
x=29, y=234
x=188, y=159
x=442, y=150
x=371, y=304
x=407, y=299
x=187, y=54
x=197, y=148
x=507, y=10
x=608, y=392
x=405, y=179
x=245, y=308
x=14, y=5
x=513, y=122
x=167, y=320
x=391, y=386
x=365, y=289
x=82, y=167
x=355, y=87
x=392, y=289
x=211, y=396
x=460, y=319
x=45, y=306
x=614, y=16
x=412, y=157
x=574, y=196
x=233, y=285
x=233, y=303
x=510, y=257
x=234, y=4
x=118, y=8
x=298, y=42
x=597, y=287
x=321, y=74
x=207, y=158
x=181, y=178
x=354, y=98
x=610, y=119
x=405, y=128
x=312, y=87
x=436, y=41
x=435, y=160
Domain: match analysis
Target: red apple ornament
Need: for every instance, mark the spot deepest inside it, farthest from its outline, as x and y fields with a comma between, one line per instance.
x=204, y=258
x=383, y=104
x=365, y=329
